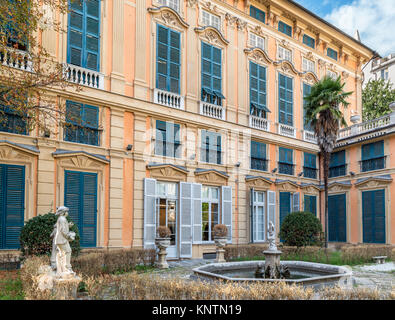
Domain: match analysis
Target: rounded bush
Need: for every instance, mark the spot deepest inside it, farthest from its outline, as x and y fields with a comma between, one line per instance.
x=301, y=229
x=35, y=237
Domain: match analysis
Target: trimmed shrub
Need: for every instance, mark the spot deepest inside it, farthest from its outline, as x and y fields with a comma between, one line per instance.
x=35, y=237
x=301, y=229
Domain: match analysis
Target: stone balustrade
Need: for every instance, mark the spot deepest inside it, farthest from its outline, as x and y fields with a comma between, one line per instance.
x=259, y=123
x=285, y=130
x=366, y=126
x=15, y=58
x=309, y=136
x=84, y=77
x=212, y=110
x=169, y=99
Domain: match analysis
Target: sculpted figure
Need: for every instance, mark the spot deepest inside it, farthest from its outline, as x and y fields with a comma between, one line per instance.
x=62, y=238
x=272, y=237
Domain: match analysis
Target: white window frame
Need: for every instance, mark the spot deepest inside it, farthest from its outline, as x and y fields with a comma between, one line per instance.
x=257, y=204
x=174, y=4
x=284, y=54
x=211, y=200
x=308, y=65
x=257, y=41
x=210, y=19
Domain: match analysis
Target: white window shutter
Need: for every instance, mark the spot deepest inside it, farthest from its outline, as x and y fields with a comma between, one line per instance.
x=227, y=210
x=149, y=213
x=271, y=208
x=186, y=215
x=295, y=202
x=252, y=215
x=197, y=212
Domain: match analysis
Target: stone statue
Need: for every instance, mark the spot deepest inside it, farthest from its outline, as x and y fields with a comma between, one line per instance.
x=272, y=237
x=62, y=238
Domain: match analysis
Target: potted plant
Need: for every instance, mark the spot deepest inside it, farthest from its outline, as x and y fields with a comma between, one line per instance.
x=220, y=238
x=162, y=241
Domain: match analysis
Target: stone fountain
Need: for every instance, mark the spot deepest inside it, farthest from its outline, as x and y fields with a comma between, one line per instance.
x=272, y=269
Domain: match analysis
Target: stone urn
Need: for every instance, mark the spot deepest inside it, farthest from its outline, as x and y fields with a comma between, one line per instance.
x=162, y=242
x=220, y=239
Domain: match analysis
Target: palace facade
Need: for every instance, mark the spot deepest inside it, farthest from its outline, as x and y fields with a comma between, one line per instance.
x=192, y=115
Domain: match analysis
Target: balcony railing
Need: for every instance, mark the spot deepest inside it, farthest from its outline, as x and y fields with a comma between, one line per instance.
x=310, y=172
x=309, y=136
x=259, y=123
x=372, y=164
x=286, y=130
x=365, y=127
x=286, y=168
x=84, y=77
x=212, y=110
x=169, y=99
x=259, y=164
x=337, y=171
x=15, y=58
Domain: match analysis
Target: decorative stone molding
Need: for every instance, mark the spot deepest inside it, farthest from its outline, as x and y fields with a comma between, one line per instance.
x=11, y=152
x=287, y=186
x=310, y=77
x=310, y=189
x=213, y=177
x=212, y=35
x=345, y=75
x=192, y=3
x=168, y=172
x=235, y=21
x=321, y=63
x=258, y=55
x=169, y=16
x=258, y=183
x=210, y=7
x=338, y=187
x=373, y=182
x=287, y=67
x=80, y=161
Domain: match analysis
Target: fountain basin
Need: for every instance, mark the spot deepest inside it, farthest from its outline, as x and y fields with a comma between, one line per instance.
x=308, y=274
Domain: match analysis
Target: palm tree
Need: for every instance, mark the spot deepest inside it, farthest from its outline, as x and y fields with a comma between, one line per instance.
x=323, y=113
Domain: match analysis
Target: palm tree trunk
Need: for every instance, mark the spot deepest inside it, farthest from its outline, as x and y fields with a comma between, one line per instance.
x=326, y=174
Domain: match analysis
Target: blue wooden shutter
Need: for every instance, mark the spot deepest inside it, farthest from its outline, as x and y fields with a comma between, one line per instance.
x=211, y=74
x=309, y=41
x=89, y=209
x=285, y=206
x=12, y=205
x=160, y=138
x=306, y=92
x=168, y=59
x=81, y=199
x=284, y=28
x=83, y=47
x=337, y=223
x=90, y=120
x=257, y=14
x=373, y=220
x=258, y=90
x=285, y=100
x=310, y=204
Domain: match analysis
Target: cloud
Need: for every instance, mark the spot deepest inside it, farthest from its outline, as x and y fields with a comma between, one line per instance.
x=375, y=20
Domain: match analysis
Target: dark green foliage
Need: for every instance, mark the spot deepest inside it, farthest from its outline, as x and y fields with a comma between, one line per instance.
x=35, y=238
x=301, y=229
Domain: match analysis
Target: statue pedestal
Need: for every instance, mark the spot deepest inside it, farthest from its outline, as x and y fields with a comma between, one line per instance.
x=272, y=263
x=162, y=244
x=220, y=242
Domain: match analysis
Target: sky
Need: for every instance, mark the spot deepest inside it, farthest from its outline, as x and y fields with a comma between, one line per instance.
x=375, y=20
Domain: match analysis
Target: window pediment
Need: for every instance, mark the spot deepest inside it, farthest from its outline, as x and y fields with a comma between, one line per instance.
x=287, y=185
x=258, y=55
x=211, y=176
x=80, y=159
x=12, y=151
x=258, y=182
x=373, y=182
x=167, y=172
x=169, y=16
x=212, y=35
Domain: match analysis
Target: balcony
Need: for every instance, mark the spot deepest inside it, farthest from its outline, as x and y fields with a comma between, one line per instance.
x=259, y=164
x=169, y=99
x=310, y=172
x=259, y=123
x=366, y=127
x=372, y=164
x=286, y=130
x=84, y=77
x=212, y=110
x=337, y=171
x=15, y=58
x=286, y=168
x=309, y=136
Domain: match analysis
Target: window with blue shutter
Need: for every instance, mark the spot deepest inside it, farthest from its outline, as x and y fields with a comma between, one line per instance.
x=258, y=156
x=211, y=74
x=331, y=54
x=257, y=14
x=14, y=33
x=309, y=41
x=285, y=28
x=258, y=91
x=310, y=166
x=211, y=147
x=285, y=91
x=306, y=91
x=167, y=139
x=373, y=216
x=310, y=204
x=373, y=156
x=12, y=205
x=168, y=59
x=337, y=164
x=83, y=45
x=285, y=206
x=81, y=199
x=337, y=222
x=285, y=162
x=82, y=123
